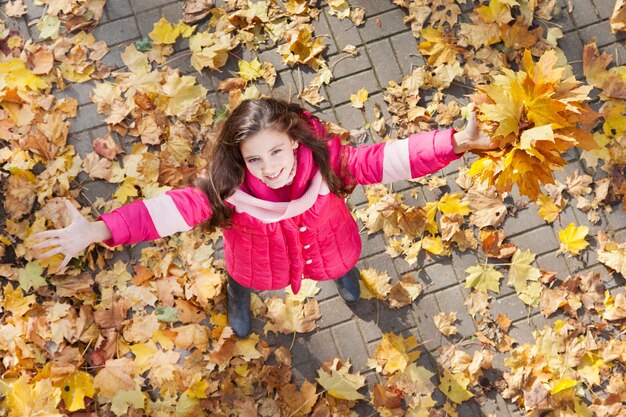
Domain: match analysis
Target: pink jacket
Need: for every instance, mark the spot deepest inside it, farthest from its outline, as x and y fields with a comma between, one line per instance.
x=279, y=237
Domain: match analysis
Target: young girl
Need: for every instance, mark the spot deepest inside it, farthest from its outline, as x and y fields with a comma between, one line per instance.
x=276, y=184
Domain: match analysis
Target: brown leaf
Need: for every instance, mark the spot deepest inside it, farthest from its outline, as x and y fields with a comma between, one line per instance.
x=493, y=246
x=385, y=399
x=106, y=147
x=196, y=10
x=96, y=167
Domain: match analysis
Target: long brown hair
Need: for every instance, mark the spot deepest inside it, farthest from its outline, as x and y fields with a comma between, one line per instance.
x=226, y=167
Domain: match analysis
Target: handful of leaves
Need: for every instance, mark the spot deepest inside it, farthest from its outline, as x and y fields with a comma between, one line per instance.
x=533, y=116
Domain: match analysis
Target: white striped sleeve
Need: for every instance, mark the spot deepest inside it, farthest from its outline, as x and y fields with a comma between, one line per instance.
x=396, y=161
x=165, y=215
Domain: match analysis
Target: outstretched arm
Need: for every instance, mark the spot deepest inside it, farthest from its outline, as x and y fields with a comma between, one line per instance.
x=143, y=220
x=416, y=156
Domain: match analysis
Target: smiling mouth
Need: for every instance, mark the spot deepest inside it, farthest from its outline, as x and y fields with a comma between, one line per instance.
x=272, y=178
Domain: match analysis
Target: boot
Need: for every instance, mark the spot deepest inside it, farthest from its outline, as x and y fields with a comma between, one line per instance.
x=348, y=286
x=238, y=307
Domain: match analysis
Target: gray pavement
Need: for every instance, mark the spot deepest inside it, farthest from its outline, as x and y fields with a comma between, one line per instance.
x=387, y=52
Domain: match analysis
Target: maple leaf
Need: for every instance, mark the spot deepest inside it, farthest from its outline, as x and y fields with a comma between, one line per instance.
x=291, y=316
x=404, y=292
x=548, y=210
x=572, y=238
x=394, y=353
x=438, y=47
x=618, y=18
x=15, y=74
x=75, y=388
x=250, y=71
x=358, y=100
x=339, y=382
x=612, y=254
x=164, y=33
x=445, y=323
x=524, y=277
x=30, y=276
x=454, y=386
x=124, y=399
x=49, y=27
x=375, y=284
x=15, y=8
x=483, y=278
x=38, y=399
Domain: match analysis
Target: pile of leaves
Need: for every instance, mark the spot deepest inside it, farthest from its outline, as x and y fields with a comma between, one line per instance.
x=108, y=338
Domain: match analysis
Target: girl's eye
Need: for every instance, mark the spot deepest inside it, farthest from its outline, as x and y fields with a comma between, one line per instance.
x=276, y=151
x=252, y=160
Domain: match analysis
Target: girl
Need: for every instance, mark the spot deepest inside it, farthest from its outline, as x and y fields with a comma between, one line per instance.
x=276, y=184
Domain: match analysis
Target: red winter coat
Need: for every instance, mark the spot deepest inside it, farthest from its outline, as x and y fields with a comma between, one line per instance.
x=301, y=231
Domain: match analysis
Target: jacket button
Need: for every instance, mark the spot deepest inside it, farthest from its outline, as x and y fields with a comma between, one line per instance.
x=309, y=262
x=307, y=246
x=303, y=229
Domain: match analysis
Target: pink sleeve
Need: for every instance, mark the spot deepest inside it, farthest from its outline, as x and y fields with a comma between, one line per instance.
x=175, y=211
x=420, y=154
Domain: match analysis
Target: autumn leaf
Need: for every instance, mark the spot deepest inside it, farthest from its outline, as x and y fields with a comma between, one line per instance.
x=394, y=353
x=250, y=71
x=445, y=323
x=548, y=210
x=38, y=399
x=612, y=254
x=291, y=316
x=75, y=388
x=339, y=382
x=572, y=238
x=524, y=277
x=375, y=284
x=358, y=100
x=483, y=278
x=164, y=33
x=454, y=386
x=30, y=276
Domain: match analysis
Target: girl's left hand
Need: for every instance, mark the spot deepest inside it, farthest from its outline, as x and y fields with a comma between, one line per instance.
x=472, y=137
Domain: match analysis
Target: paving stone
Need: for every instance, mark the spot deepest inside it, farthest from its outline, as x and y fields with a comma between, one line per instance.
x=321, y=28
x=141, y=5
x=424, y=311
x=405, y=47
x=80, y=91
x=539, y=241
x=383, y=25
x=87, y=118
x=334, y=311
x=343, y=32
x=604, y=8
x=328, y=289
x=373, y=7
x=122, y=30
x=616, y=219
x=469, y=408
x=583, y=13
x=372, y=244
x=113, y=59
x=367, y=312
x=523, y=221
x=314, y=348
x=347, y=65
x=117, y=9
x=348, y=117
x=394, y=320
x=512, y=306
x=601, y=32
x=350, y=345
x=146, y=20
x=563, y=18
x=572, y=46
x=453, y=300
x=385, y=63
x=305, y=371
x=33, y=11
x=82, y=143
x=437, y=276
x=339, y=91
x=358, y=196
x=461, y=261
x=554, y=263
x=383, y=263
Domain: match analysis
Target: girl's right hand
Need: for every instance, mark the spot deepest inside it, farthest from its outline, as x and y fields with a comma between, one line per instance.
x=72, y=239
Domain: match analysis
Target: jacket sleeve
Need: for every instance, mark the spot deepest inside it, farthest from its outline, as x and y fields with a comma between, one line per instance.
x=175, y=211
x=420, y=154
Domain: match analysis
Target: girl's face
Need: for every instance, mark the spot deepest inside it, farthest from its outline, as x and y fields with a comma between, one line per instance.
x=269, y=156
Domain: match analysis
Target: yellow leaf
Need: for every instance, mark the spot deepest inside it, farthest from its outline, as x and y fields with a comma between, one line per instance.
x=75, y=388
x=164, y=33
x=125, y=191
x=483, y=278
x=123, y=400
x=15, y=74
x=30, y=276
x=376, y=283
x=434, y=245
x=572, y=238
x=184, y=29
x=454, y=386
x=250, y=71
x=48, y=27
x=144, y=353
x=530, y=136
x=452, y=204
x=548, y=210
x=562, y=385
x=358, y=100
x=340, y=383
x=39, y=399
x=394, y=353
